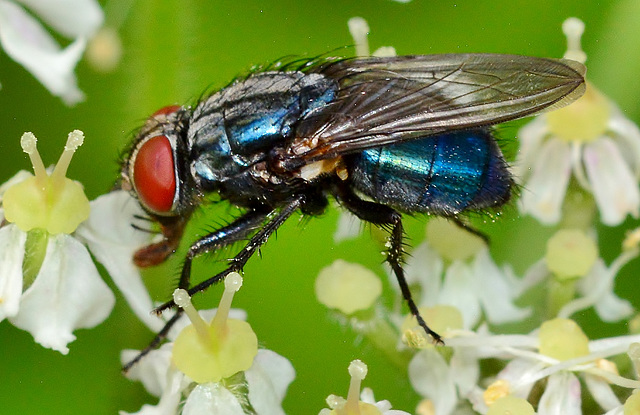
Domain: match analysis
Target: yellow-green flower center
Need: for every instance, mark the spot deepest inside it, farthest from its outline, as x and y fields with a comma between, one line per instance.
x=50, y=202
x=570, y=254
x=588, y=117
x=632, y=404
x=209, y=352
x=511, y=405
x=562, y=339
x=584, y=120
x=347, y=287
x=441, y=318
x=451, y=241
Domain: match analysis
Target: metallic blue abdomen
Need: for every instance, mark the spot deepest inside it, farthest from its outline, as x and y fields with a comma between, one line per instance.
x=443, y=174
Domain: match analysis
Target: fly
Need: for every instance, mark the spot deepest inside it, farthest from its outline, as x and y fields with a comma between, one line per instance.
x=381, y=136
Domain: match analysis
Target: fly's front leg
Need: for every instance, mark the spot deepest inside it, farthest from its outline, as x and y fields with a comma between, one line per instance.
x=234, y=232
x=227, y=235
x=238, y=262
x=387, y=217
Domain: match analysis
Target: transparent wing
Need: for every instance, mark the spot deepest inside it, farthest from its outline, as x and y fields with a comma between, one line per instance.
x=381, y=101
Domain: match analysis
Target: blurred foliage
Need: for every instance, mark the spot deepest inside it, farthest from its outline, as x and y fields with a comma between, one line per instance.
x=173, y=51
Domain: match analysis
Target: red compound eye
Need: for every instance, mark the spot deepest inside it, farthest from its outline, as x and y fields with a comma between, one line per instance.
x=153, y=174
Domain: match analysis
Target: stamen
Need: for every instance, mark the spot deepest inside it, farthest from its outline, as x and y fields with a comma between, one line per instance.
x=232, y=284
x=230, y=345
x=359, y=29
x=357, y=371
x=182, y=300
x=28, y=142
x=498, y=389
x=573, y=29
x=74, y=140
x=571, y=253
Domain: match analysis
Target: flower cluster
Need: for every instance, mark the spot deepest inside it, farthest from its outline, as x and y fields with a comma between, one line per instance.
x=49, y=284
x=590, y=142
x=214, y=367
x=574, y=162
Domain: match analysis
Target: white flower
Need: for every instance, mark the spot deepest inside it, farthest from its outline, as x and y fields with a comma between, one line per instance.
x=364, y=404
x=113, y=240
x=383, y=406
x=591, y=141
x=263, y=386
x=454, y=267
x=49, y=285
x=26, y=40
x=570, y=258
x=558, y=351
x=67, y=292
x=444, y=383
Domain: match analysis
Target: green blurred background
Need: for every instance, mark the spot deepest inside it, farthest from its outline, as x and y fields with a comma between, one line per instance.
x=176, y=49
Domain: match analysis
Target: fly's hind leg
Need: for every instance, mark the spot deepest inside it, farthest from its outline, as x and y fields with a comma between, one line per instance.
x=473, y=231
x=385, y=216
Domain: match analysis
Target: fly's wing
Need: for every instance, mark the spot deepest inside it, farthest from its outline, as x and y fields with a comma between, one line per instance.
x=381, y=101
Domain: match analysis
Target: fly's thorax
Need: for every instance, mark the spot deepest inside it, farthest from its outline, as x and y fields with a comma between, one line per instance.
x=235, y=133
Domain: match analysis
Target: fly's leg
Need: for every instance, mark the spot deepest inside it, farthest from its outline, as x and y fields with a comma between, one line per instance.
x=227, y=235
x=385, y=216
x=235, y=232
x=238, y=262
x=155, y=343
x=469, y=228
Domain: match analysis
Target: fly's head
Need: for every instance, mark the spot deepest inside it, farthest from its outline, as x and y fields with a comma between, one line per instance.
x=155, y=172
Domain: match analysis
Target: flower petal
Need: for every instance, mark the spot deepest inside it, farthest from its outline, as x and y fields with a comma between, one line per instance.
x=464, y=363
x=497, y=290
x=431, y=377
x=348, y=227
x=521, y=375
x=561, y=396
x=153, y=370
x=170, y=398
x=268, y=379
x=212, y=399
x=544, y=192
x=424, y=268
x=597, y=290
x=531, y=137
x=67, y=294
x=612, y=308
x=534, y=275
x=29, y=44
x=459, y=290
x=614, y=186
x=601, y=392
x=627, y=137
x=12, y=245
x=72, y=18
x=113, y=241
